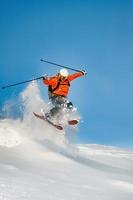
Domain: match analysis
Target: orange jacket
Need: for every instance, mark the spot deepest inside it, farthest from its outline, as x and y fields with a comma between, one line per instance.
x=61, y=87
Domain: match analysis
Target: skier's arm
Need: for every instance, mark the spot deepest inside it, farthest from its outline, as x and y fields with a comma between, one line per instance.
x=49, y=81
x=76, y=75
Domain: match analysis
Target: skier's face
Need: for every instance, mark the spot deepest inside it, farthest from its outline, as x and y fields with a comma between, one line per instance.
x=63, y=78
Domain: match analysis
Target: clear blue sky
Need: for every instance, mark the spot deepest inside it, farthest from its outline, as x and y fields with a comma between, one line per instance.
x=94, y=34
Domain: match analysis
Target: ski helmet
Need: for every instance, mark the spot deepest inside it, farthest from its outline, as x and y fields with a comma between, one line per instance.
x=64, y=72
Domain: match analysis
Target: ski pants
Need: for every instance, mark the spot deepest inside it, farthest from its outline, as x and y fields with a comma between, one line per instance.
x=59, y=102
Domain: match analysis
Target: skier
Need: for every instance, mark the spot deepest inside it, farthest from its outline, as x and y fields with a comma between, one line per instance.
x=58, y=89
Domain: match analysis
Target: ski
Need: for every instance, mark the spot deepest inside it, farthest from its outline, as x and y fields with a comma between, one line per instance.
x=59, y=127
x=73, y=122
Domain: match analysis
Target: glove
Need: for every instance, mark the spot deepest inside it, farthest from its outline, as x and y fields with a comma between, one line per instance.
x=84, y=72
x=45, y=76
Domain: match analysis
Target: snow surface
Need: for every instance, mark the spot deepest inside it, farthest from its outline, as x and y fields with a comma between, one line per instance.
x=38, y=162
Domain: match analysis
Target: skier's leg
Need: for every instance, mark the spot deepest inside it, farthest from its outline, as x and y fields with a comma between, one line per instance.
x=52, y=112
x=55, y=110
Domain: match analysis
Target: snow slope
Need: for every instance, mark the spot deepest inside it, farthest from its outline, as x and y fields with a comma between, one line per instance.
x=38, y=162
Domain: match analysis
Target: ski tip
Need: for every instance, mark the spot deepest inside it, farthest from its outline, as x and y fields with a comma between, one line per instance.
x=73, y=122
x=34, y=113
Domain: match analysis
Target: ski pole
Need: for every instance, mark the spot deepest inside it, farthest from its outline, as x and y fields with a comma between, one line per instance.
x=46, y=61
x=7, y=86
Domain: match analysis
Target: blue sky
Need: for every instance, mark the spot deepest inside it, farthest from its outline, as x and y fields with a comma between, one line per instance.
x=93, y=35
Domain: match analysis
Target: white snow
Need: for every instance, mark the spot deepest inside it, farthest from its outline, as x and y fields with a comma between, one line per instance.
x=38, y=162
